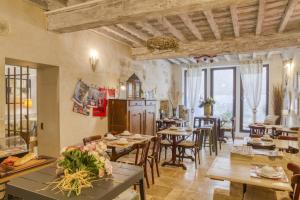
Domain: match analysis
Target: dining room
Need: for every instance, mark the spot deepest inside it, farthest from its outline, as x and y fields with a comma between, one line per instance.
x=150, y=99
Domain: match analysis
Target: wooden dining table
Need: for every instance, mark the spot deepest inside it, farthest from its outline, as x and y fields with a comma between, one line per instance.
x=237, y=171
x=34, y=185
x=176, y=136
x=279, y=144
x=276, y=127
x=119, y=150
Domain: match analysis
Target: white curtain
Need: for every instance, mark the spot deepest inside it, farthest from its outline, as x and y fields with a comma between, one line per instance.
x=251, y=75
x=194, y=73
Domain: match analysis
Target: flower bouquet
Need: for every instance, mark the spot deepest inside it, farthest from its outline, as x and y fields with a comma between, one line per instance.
x=207, y=104
x=78, y=167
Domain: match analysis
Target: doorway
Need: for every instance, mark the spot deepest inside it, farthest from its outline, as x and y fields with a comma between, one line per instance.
x=32, y=105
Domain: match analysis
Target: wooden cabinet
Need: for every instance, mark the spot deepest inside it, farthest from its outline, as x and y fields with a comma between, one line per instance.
x=137, y=116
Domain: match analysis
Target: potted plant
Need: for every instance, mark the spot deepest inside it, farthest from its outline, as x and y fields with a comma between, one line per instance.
x=207, y=104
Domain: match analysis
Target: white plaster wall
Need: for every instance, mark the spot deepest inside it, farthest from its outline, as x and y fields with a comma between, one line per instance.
x=28, y=40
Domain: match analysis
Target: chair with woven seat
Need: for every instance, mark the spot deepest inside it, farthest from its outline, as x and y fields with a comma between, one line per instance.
x=153, y=157
x=90, y=139
x=226, y=128
x=193, y=145
x=164, y=144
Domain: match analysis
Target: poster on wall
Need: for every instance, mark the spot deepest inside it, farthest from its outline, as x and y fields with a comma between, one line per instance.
x=100, y=111
x=93, y=97
x=111, y=93
x=81, y=109
x=80, y=93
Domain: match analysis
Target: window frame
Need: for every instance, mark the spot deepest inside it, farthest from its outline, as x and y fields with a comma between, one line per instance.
x=185, y=85
x=242, y=98
x=234, y=86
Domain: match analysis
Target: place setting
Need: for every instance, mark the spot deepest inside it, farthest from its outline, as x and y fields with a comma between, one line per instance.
x=269, y=172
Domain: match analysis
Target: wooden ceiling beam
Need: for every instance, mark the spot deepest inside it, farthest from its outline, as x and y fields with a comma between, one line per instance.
x=260, y=17
x=148, y=27
x=174, y=61
x=212, y=23
x=97, y=13
x=191, y=26
x=112, y=36
x=235, y=20
x=119, y=32
x=174, y=31
x=287, y=14
x=133, y=31
x=222, y=47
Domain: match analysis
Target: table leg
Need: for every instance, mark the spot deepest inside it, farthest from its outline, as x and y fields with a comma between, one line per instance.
x=172, y=162
x=142, y=189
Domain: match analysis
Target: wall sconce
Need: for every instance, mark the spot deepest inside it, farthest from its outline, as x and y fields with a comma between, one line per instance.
x=122, y=86
x=93, y=59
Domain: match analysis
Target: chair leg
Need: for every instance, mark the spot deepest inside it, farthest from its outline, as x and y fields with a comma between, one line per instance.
x=165, y=153
x=159, y=154
x=157, y=169
x=210, y=144
x=233, y=136
x=152, y=170
x=195, y=154
x=146, y=176
x=198, y=156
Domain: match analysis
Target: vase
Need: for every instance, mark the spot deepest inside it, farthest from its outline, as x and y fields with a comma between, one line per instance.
x=207, y=110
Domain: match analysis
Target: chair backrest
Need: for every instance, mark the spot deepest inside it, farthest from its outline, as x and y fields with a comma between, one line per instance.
x=257, y=130
x=87, y=140
x=201, y=121
x=295, y=182
x=155, y=145
x=283, y=137
x=197, y=137
x=142, y=150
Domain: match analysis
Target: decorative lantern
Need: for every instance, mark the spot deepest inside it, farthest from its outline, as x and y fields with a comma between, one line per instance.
x=134, y=87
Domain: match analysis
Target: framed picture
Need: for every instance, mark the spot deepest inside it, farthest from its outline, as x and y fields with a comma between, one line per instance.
x=9, y=82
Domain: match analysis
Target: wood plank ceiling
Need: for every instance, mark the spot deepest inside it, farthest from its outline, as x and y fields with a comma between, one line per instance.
x=214, y=28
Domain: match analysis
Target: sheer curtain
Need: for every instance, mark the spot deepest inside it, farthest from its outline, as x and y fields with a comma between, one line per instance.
x=251, y=75
x=194, y=76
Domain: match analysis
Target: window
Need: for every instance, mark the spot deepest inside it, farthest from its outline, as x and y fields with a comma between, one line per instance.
x=262, y=110
x=223, y=88
x=198, y=111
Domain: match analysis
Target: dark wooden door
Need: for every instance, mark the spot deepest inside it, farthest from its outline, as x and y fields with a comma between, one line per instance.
x=117, y=115
x=136, y=121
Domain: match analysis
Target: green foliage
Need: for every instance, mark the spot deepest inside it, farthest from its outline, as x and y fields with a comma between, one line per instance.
x=208, y=101
x=75, y=160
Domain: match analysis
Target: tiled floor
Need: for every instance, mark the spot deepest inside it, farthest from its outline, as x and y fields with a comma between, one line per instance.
x=191, y=184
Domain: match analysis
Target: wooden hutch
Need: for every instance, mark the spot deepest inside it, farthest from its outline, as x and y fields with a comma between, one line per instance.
x=136, y=116
x=134, y=113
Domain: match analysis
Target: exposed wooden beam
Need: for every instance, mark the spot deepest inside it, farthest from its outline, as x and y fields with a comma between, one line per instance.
x=148, y=27
x=226, y=46
x=133, y=31
x=97, y=13
x=260, y=17
x=287, y=14
x=192, y=60
x=192, y=27
x=235, y=20
x=123, y=34
x=212, y=23
x=111, y=36
x=174, y=31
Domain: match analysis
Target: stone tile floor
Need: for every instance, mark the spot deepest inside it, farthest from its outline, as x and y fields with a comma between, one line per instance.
x=191, y=184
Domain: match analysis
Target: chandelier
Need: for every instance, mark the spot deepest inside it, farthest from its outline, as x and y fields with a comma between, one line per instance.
x=162, y=43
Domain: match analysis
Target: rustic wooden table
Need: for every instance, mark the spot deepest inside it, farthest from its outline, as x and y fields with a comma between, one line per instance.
x=174, y=135
x=124, y=176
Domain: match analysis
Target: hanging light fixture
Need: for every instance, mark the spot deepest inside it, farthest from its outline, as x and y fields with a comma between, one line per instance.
x=163, y=42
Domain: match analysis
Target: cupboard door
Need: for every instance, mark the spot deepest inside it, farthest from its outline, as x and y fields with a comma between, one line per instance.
x=150, y=122
x=117, y=120
x=136, y=121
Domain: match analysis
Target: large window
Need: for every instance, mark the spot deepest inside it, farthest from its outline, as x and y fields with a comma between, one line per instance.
x=223, y=87
x=203, y=92
x=262, y=110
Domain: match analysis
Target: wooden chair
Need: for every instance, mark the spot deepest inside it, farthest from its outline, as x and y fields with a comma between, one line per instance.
x=295, y=181
x=194, y=146
x=87, y=140
x=141, y=158
x=257, y=130
x=153, y=158
x=230, y=129
x=206, y=128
